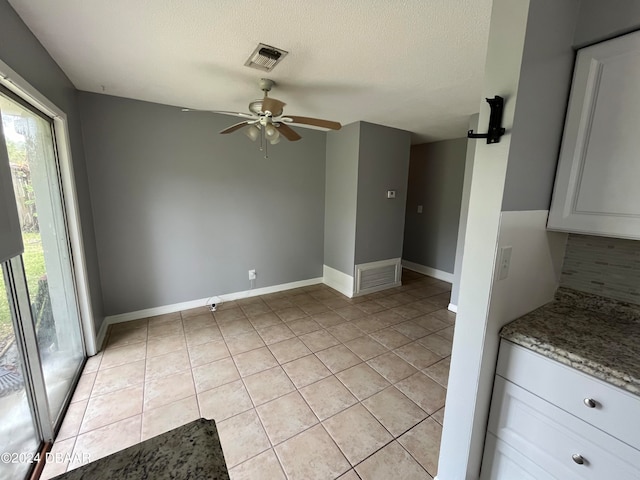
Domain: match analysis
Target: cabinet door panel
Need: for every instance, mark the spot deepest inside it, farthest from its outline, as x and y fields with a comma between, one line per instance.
x=611, y=165
x=596, y=184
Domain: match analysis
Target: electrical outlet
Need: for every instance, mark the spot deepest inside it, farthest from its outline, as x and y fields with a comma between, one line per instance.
x=252, y=274
x=504, y=262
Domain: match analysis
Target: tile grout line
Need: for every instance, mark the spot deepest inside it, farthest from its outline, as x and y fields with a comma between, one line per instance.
x=144, y=380
x=334, y=309
x=256, y=412
x=75, y=437
x=320, y=422
x=279, y=364
x=411, y=454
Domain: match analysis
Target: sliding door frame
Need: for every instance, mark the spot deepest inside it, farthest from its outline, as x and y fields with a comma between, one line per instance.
x=26, y=342
x=24, y=90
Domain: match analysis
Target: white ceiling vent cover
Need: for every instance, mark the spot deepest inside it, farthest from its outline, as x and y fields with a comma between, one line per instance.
x=374, y=276
x=265, y=57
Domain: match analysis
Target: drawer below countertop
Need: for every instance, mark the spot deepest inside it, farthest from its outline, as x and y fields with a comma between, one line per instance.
x=551, y=438
x=613, y=410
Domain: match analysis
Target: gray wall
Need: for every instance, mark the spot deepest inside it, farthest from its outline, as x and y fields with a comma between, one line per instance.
x=436, y=176
x=183, y=213
x=603, y=266
x=543, y=93
x=600, y=20
x=383, y=165
x=341, y=190
x=20, y=49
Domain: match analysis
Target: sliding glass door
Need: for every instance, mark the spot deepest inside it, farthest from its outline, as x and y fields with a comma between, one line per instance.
x=41, y=346
x=19, y=435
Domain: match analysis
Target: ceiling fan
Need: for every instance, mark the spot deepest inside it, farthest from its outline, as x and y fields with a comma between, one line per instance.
x=267, y=122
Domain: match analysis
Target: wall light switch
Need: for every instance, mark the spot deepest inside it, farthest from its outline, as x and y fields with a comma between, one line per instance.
x=252, y=274
x=391, y=194
x=419, y=208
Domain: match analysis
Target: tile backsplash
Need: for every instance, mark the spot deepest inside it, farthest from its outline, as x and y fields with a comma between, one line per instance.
x=603, y=266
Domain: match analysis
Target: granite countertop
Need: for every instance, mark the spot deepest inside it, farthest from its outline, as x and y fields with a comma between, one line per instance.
x=189, y=452
x=596, y=335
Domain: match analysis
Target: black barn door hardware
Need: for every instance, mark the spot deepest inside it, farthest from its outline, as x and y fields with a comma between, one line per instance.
x=495, y=121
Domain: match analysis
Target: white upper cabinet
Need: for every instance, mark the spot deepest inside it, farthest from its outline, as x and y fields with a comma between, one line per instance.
x=597, y=189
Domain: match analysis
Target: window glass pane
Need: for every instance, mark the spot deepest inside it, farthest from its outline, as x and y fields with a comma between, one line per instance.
x=17, y=431
x=46, y=257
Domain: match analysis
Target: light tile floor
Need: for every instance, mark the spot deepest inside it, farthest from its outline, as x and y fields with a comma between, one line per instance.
x=303, y=384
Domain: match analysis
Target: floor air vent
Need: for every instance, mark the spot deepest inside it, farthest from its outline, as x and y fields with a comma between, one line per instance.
x=371, y=277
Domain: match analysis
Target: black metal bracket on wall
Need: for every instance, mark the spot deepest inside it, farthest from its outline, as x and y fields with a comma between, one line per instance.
x=495, y=121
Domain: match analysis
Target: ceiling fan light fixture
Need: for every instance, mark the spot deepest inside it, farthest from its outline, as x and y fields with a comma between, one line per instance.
x=271, y=132
x=253, y=132
x=275, y=140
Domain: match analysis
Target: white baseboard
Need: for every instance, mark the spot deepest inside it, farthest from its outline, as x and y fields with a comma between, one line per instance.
x=102, y=333
x=177, y=307
x=338, y=280
x=453, y=308
x=432, y=272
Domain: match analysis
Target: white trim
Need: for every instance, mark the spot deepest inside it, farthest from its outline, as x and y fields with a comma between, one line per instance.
x=102, y=333
x=18, y=85
x=395, y=262
x=338, y=280
x=177, y=307
x=431, y=272
x=452, y=308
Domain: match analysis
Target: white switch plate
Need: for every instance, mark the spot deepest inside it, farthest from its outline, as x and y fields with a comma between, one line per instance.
x=419, y=208
x=252, y=274
x=504, y=261
x=391, y=194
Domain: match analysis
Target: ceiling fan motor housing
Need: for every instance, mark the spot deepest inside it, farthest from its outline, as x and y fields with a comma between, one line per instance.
x=266, y=84
x=255, y=107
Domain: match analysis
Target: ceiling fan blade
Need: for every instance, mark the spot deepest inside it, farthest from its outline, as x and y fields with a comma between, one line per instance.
x=317, y=122
x=288, y=132
x=272, y=105
x=236, y=114
x=235, y=127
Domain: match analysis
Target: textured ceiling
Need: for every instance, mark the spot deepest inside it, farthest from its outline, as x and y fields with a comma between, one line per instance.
x=410, y=64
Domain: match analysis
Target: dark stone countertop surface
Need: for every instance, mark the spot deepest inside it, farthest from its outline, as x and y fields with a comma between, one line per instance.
x=189, y=452
x=596, y=335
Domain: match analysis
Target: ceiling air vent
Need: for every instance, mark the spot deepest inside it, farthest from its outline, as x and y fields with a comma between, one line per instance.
x=265, y=57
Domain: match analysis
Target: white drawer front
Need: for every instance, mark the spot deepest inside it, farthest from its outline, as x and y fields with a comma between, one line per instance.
x=550, y=437
x=501, y=462
x=616, y=412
